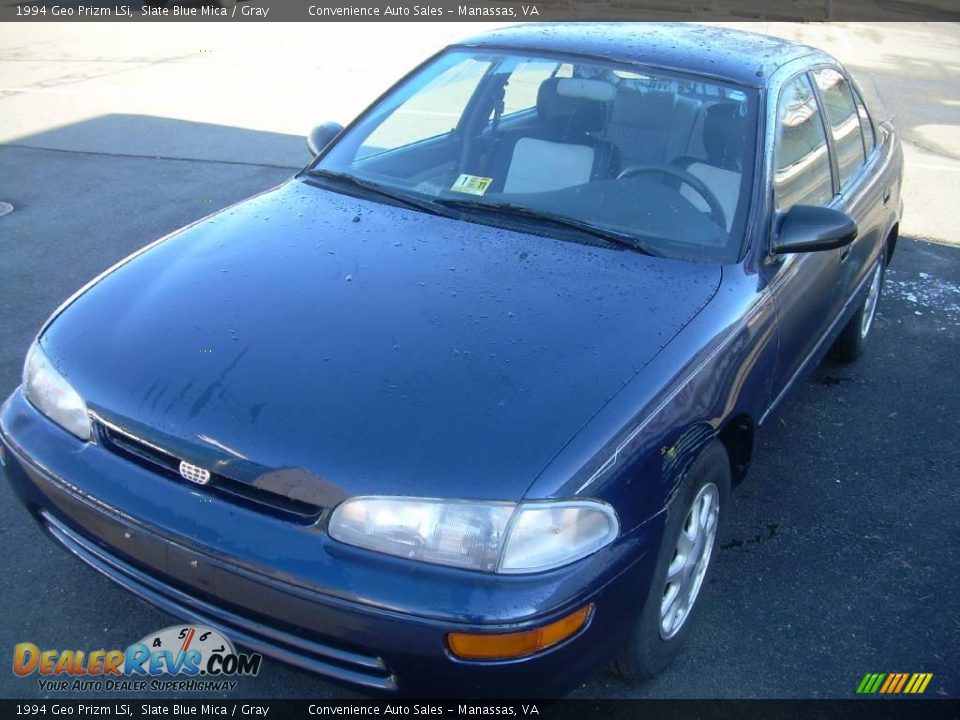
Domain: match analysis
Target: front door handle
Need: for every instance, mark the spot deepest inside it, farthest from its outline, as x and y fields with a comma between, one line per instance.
x=886, y=197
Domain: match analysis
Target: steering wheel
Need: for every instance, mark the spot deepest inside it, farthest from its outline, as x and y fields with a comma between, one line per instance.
x=687, y=178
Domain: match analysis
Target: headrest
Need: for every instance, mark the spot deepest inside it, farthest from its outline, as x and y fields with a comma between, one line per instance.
x=643, y=108
x=599, y=90
x=574, y=104
x=724, y=135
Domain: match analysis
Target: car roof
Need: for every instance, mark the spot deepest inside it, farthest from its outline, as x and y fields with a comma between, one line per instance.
x=744, y=57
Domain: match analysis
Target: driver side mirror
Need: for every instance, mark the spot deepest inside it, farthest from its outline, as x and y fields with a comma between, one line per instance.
x=808, y=228
x=321, y=135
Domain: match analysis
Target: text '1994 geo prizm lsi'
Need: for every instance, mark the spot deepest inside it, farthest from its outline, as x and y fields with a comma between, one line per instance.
x=458, y=408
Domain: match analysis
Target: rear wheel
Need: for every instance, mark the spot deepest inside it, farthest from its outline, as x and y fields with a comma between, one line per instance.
x=852, y=341
x=683, y=566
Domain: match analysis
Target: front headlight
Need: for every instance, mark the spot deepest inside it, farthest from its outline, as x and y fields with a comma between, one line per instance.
x=487, y=536
x=52, y=395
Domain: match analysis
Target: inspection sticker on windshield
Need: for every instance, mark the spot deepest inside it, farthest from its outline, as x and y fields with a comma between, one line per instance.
x=472, y=184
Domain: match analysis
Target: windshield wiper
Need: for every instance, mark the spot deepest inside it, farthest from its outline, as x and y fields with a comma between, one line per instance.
x=444, y=206
x=612, y=237
x=372, y=188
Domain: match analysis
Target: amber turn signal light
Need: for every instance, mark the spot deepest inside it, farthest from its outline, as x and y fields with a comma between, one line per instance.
x=499, y=646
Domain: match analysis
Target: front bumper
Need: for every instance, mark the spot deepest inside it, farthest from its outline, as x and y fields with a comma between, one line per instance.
x=291, y=593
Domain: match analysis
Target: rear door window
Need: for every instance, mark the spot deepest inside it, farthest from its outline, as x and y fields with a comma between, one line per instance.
x=844, y=122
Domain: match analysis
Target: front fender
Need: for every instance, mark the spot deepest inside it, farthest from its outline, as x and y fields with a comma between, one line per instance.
x=634, y=452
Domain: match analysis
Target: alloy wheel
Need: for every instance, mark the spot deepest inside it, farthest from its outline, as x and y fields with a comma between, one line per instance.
x=870, y=304
x=690, y=560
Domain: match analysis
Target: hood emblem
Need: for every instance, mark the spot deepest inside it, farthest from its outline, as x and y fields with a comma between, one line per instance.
x=193, y=473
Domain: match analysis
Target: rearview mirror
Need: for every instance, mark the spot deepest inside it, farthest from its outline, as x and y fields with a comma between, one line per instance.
x=321, y=136
x=807, y=228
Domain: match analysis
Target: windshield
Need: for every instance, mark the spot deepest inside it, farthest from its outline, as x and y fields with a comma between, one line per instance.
x=660, y=158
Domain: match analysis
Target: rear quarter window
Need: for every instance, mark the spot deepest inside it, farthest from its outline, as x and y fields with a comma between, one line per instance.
x=866, y=123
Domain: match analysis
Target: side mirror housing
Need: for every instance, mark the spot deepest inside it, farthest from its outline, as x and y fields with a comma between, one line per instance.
x=808, y=228
x=321, y=136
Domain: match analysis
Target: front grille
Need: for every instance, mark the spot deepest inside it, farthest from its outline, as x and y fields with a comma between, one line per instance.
x=166, y=464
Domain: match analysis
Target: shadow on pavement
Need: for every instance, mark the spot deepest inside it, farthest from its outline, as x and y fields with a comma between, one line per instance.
x=169, y=138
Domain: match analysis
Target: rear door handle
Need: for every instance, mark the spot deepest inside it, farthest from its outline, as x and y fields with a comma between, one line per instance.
x=886, y=197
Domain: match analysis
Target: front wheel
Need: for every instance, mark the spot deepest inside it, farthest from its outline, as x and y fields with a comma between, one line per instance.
x=683, y=566
x=852, y=341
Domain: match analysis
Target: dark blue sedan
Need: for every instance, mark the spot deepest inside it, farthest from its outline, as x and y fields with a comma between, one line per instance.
x=458, y=409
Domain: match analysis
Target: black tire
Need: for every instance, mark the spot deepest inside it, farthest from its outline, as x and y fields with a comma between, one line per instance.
x=647, y=652
x=852, y=341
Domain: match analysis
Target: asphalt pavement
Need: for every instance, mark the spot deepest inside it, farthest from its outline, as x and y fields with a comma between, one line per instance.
x=841, y=555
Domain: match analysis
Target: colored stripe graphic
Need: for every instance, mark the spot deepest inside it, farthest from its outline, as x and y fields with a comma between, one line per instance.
x=870, y=683
x=899, y=687
x=892, y=680
x=922, y=683
x=894, y=683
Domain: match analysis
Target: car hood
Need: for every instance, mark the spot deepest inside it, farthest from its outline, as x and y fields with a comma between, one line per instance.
x=351, y=347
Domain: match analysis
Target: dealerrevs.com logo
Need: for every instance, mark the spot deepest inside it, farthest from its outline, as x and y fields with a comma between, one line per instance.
x=178, y=658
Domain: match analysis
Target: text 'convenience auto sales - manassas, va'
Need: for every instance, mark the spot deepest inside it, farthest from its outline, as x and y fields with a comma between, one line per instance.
x=203, y=658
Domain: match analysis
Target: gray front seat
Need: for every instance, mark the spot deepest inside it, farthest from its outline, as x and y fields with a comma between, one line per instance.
x=724, y=138
x=563, y=149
